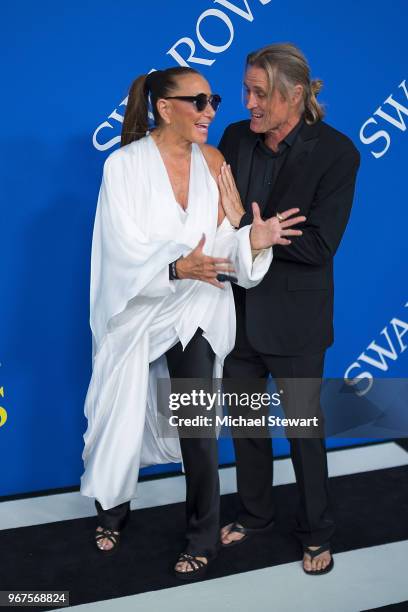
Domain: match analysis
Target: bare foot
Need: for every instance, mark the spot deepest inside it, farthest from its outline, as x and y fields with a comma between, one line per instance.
x=184, y=566
x=318, y=563
x=227, y=537
x=105, y=543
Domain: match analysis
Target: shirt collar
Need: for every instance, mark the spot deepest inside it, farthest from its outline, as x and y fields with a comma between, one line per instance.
x=289, y=138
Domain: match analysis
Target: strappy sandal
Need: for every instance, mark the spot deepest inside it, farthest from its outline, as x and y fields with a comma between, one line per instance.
x=313, y=554
x=198, y=567
x=112, y=536
x=235, y=528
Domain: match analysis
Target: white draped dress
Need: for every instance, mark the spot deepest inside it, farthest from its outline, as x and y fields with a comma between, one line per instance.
x=137, y=313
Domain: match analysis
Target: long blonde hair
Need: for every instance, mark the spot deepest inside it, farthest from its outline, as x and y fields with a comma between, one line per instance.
x=286, y=66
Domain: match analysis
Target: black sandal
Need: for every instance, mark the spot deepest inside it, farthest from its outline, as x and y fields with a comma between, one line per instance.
x=111, y=535
x=198, y=567
x=316, y=553
x=237, y=529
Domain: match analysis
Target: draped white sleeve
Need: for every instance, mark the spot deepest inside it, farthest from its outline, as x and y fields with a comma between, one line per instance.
x=125, y=264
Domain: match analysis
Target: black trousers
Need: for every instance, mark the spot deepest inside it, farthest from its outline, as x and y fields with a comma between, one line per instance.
x=315, y=524
x=200, y=459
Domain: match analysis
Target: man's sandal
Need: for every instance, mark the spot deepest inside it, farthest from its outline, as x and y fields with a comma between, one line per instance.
x=112, y=536
x=198, y=567
x=315, y=553
x=236, y=528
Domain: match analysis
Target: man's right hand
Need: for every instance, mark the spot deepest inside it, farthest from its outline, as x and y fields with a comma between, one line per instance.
x=198, y=266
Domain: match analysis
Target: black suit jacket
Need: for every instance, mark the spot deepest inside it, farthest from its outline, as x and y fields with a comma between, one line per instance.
x=291, y=311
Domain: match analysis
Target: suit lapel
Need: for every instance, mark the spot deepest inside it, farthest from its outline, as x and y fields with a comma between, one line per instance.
x=245, y=152
x=298, y=154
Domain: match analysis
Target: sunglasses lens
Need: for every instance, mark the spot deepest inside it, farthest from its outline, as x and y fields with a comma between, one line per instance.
x=215, y=101
x=201, y=102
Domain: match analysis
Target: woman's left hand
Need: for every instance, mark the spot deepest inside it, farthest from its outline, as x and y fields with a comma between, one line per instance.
x=230, y=199
x=265, y=234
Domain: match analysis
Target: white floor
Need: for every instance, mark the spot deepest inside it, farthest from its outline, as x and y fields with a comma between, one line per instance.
x=362, y=579
x=67, y=506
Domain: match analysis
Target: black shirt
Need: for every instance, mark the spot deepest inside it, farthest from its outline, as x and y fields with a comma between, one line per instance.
x=265, y=167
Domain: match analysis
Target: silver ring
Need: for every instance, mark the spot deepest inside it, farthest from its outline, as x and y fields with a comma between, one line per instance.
x=279, y=217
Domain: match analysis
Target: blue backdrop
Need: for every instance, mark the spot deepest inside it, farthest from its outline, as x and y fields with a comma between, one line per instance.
x=67, y=68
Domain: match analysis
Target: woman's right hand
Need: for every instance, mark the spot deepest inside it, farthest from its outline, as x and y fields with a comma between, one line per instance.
x=198, y=266
x=230, y=198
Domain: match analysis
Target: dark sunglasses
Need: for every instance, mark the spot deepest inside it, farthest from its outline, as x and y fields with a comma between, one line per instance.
x=200, y=100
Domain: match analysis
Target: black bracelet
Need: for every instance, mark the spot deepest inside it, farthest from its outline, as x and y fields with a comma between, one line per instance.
x=173, y=270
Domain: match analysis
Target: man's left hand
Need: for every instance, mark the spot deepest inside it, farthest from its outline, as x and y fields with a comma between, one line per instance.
x=265, y=234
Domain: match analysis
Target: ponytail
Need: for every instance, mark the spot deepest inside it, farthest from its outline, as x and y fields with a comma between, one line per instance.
x=143, y=95
x=313, y=110
x=135, y=123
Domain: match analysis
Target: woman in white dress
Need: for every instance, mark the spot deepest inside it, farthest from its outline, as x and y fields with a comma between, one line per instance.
x=157, y=307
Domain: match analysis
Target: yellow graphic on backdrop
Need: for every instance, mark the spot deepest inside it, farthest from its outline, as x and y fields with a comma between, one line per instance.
x=3, y=412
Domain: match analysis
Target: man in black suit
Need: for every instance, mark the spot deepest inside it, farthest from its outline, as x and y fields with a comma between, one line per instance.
x=285, y=156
